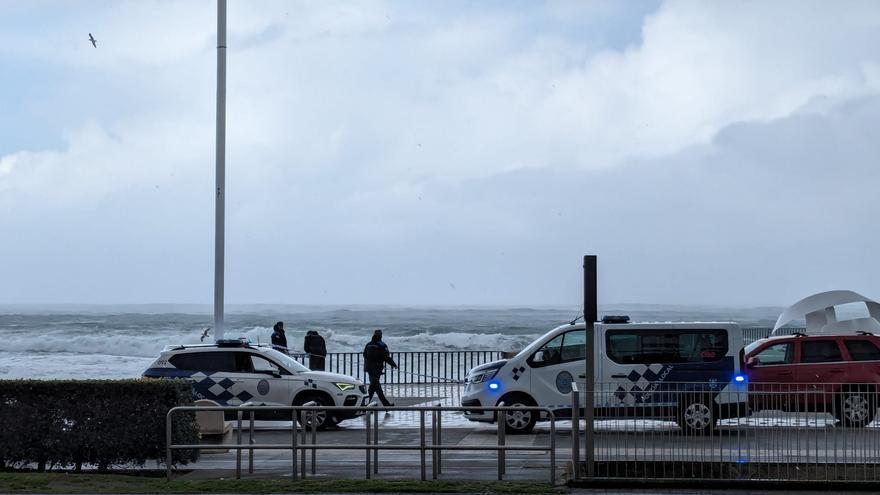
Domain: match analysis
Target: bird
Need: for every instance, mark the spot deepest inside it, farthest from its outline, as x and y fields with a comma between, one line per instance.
x=93, y=40
x=204, y=334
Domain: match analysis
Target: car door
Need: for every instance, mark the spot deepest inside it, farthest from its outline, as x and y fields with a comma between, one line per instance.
x=771, y=376
x=555, y=366
x=260, y=379
x=821, y=372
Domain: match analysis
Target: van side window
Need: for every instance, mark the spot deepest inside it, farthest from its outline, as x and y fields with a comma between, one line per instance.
x=820, y=351
x=564, y=348
x=863, y=350
x=665, y=346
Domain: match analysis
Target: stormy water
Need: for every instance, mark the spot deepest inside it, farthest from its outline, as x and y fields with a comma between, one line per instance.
x=121, y=341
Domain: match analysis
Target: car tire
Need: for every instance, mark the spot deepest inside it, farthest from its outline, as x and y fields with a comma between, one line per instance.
x=520, y=421
x=856, y=408
x=696, y=415
x=325, y=419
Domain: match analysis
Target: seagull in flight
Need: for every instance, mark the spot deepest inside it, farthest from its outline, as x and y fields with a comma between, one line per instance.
x=204, y=334
x=93, y=40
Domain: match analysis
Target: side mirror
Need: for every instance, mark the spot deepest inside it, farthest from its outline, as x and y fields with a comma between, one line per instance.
x=538, y=357
x=752, y=361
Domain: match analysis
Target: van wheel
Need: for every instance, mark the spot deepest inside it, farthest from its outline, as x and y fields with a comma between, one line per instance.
x=323, y=419
x=856, y=409
x=522, y=420
x=696, y=415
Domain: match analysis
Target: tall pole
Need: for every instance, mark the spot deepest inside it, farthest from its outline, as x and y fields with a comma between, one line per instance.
x=591, y=314
x=220, y=173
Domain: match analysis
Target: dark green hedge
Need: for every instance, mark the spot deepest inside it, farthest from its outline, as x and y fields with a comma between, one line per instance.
x=99, y=422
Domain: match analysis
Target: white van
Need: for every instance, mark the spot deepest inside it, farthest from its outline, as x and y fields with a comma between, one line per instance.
x=689, y=372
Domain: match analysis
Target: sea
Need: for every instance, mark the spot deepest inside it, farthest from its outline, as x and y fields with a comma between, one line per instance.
x=120, y=341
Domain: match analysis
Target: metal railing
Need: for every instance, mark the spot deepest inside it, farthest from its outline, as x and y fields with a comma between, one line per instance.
x=371, y=447
x=778, y=431
x=414, y=366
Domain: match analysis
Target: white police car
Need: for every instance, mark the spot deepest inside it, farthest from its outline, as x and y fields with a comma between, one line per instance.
x=236, y=372
x=689, y=372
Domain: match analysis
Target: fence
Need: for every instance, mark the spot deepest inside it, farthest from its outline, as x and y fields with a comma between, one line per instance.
x=413, y=366
x=797, y=432
x=751, y=334
x=299, y=447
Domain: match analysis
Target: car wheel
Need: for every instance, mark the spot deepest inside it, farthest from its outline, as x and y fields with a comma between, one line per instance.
x=322, y=418
x=856, y=409
x=696, y=415
x=519, y=420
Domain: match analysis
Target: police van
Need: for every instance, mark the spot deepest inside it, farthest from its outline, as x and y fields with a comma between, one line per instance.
x=687, y=372
x=236, y=372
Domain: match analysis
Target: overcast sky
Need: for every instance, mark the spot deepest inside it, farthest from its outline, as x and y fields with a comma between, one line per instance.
x=441, y=152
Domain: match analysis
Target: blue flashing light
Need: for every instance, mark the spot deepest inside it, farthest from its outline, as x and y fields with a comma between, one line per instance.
x=494, y=386
x=739, y=378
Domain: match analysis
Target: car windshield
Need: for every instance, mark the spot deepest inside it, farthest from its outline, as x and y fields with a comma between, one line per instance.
x=285, y=360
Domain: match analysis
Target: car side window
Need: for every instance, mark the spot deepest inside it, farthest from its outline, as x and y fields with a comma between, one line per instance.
x=863, y=350
x=776, y=354
x=820, y=351
x=204, y=361
x=261, y=365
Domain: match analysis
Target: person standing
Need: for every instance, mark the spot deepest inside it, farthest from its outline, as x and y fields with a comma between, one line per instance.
x=279, y=340
x=376, y=355
x=316, y=348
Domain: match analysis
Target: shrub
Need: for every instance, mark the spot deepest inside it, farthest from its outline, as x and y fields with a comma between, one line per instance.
x=98, y=422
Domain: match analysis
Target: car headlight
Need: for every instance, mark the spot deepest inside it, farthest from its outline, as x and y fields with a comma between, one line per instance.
x=485, y=375
x=344, y=386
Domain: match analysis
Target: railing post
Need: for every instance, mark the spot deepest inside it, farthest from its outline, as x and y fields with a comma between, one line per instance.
x=422, y=441
x=168, y=444
x=368, y=470
x=375, y=439
x=238, y=449
x=552, y=448
x=315, y=441
x=434, y=444
x=251, y=442
x=293, y=445
x=303, y=441
x=501, y=418
x=439, y=440
x=575, y=431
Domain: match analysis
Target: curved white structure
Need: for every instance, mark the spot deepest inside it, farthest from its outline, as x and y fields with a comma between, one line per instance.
x=818, y=310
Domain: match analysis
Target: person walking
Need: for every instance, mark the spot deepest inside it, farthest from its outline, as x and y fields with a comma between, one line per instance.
x=279, y=340
x=376, y=355
x=316, y=348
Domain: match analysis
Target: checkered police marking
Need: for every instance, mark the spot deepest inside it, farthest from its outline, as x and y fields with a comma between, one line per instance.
x=518, y=372
x=642, y=384
x=224, y=391
x=310, y=383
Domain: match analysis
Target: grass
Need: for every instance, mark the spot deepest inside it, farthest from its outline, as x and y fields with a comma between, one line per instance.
x=13, y=482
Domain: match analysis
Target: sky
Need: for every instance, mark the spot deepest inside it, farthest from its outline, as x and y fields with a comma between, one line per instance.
x=441, y=153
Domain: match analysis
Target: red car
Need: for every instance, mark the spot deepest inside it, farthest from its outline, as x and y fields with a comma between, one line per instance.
x=838, y=374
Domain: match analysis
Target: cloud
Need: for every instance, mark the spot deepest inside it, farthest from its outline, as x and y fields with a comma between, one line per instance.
x=378, y=152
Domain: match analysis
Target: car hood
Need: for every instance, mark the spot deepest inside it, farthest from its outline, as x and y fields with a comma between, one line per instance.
x=326, y=376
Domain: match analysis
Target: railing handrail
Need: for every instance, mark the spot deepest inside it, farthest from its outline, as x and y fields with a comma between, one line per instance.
x=436, y=447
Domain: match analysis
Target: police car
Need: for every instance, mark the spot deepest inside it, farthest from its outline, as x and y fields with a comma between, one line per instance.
x=688, y=372
x=235, y=372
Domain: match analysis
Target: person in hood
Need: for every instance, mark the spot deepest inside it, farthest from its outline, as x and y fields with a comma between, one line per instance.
x=279, y=340
x=376, y=355
x=316, y=348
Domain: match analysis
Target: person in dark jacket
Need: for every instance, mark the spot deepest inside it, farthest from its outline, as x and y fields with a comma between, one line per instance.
x=279, y=340
x=376, y=355
x=316, y=348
